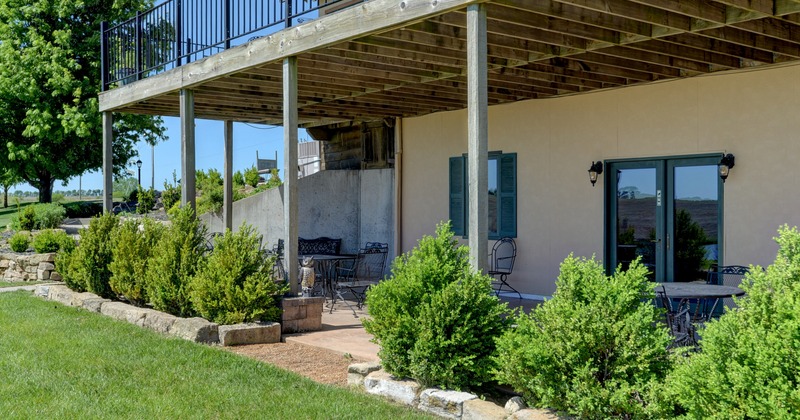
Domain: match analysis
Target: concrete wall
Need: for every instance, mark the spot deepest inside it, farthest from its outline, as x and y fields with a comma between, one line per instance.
x=753, y=114
x=349, y=204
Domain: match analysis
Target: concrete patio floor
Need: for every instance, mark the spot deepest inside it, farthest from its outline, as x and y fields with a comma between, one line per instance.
x=343, y=333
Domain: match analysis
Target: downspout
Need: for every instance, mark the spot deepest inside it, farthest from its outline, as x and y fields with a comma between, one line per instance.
x=398, y=186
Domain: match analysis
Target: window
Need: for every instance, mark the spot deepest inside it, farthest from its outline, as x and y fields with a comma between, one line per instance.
x=502, y=195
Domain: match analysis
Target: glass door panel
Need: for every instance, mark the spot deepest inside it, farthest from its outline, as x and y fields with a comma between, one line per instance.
x=637, y=222
x=694, y=221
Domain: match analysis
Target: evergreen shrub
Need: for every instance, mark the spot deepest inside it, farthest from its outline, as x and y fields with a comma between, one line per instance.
x=595, y=350
x=147, y=200
x=176, y=257
x=27, y=218
x=171, y=193
x=434, y=318
x=75, y=209
x=50, y=240
x=251, y=176
x=86, y=268
x=133, y=246
x=236, y=283
x=20, y=241
x=748, y=363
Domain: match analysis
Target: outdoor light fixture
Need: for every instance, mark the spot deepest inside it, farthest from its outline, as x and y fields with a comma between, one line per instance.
x=594, y=170
x=725, y=166
x=139, y=165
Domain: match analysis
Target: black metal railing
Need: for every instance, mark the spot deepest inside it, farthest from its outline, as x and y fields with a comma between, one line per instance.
x=177, y=32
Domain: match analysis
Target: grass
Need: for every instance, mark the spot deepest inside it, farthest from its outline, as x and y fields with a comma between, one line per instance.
x=11, y=210
x=19, y=283
x=63, y=362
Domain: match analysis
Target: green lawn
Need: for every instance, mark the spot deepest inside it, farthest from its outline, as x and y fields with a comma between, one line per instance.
x=19, y=283
x=7, y=212
x=62, y=362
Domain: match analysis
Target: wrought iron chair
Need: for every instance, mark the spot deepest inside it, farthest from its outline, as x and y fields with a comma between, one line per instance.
x=365, y=271
x=501, y=264
x=726, y=275
x=679, y=320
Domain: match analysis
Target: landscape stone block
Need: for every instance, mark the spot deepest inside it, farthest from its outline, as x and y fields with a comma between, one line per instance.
x=125, y=312
x=42, y=290
x=443, y=403
x=301, y=314
x=356, y=372
x=61, y=294
x=196, y=329
x=399, y=390
x=55, y=276
x=43, y=274
x=46, y=266
x=94, y=304
x=535, y=414
x=250, y=333
x=515, y=404
x=482, y=410
x=160, y=322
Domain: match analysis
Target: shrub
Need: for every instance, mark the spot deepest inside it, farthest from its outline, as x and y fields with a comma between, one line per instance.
x=747, y=367
x=594, y=350
x=171, y=193
x=51, y=240
x=176, y=257
x=236, y=283
x=20, y=242
x=133, y=245
x=238, y=179
x=48, y=215
x=147, y=200
x=27, y=218
x=251, y=177
x=87, y=267
x=77, y=209
x=406, y=315
x=211, y=200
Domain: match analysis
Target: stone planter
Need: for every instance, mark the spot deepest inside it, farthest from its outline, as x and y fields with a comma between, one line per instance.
x=301, y=314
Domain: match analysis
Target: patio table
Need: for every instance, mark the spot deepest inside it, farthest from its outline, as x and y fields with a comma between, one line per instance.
x=698, y=290
x=325, y=266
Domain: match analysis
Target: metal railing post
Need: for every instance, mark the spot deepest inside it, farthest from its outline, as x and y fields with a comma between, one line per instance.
x=227, y=22
x=179, y=32
x=288, y=13
x=103, y=56
x=138, y=45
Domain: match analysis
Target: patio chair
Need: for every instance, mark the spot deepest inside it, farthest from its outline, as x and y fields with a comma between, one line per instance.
x=365, y=271
x=726, y=275
x=679, y=320
x=501, y=264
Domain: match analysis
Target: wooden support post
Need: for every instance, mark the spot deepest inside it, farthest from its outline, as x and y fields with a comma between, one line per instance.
x=188, y=192
x=290, y=172
x=227, y=181
x=478, y=134
x=108, y=164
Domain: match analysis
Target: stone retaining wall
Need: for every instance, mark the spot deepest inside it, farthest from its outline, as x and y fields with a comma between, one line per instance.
x=442, y=403
x=195, y=329
x=28, y=267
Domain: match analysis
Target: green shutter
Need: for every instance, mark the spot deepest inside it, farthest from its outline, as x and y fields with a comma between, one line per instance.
x=457, y=196
x=507, y=225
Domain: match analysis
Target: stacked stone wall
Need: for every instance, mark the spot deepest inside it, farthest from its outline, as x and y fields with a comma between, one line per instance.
x=28, y=267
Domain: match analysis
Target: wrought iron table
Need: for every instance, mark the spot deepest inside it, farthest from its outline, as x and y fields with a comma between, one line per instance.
x=325, y=266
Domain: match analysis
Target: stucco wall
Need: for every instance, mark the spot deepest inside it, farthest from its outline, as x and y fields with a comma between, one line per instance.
x=349, y=204
x=753, y=114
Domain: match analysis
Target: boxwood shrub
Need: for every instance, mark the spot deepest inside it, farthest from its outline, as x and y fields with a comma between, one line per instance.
x=86, y=268
x=236, y=283
x=595, y=350
x=51, y=240
x=434, y=318
x=20, y=241
x=133, y=246
x=176, y=257
x=748, y=364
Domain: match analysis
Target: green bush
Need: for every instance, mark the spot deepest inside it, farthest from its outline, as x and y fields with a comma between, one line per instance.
x=748, y=364
x=171, y=193
x=133, y=244
x=211, y=200
x=75, y=209
x=50, y=240
x=27, y=218
x=251, y=177
x=87, y=267
x=20, y=242
x=236, y=283
x=147, y=200
x=48, y=215
x=238, y=179
x=595, y=350
x=176, y=257
x=434, y=319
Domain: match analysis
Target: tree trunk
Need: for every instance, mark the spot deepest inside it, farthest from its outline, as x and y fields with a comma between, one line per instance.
x=5, y=196
x=46, y=190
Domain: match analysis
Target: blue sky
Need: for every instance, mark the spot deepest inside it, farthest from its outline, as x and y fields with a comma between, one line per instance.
x=247, y=138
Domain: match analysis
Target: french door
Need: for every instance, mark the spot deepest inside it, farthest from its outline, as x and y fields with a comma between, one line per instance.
x=668, y=212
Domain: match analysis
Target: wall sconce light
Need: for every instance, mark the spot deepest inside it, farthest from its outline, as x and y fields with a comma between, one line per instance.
x=594, y=170
x=725, y=166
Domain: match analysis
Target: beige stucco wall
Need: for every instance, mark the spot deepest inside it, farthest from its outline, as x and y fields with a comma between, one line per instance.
x=753, y=114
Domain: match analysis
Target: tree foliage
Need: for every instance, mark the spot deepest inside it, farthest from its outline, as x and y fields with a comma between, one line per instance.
x=50, y=124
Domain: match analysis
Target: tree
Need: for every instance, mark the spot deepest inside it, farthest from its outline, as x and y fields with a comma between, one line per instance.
x=8, y=179
x=50, y=124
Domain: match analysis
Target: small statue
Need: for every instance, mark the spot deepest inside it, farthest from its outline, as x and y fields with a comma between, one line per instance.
x=307, y=276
